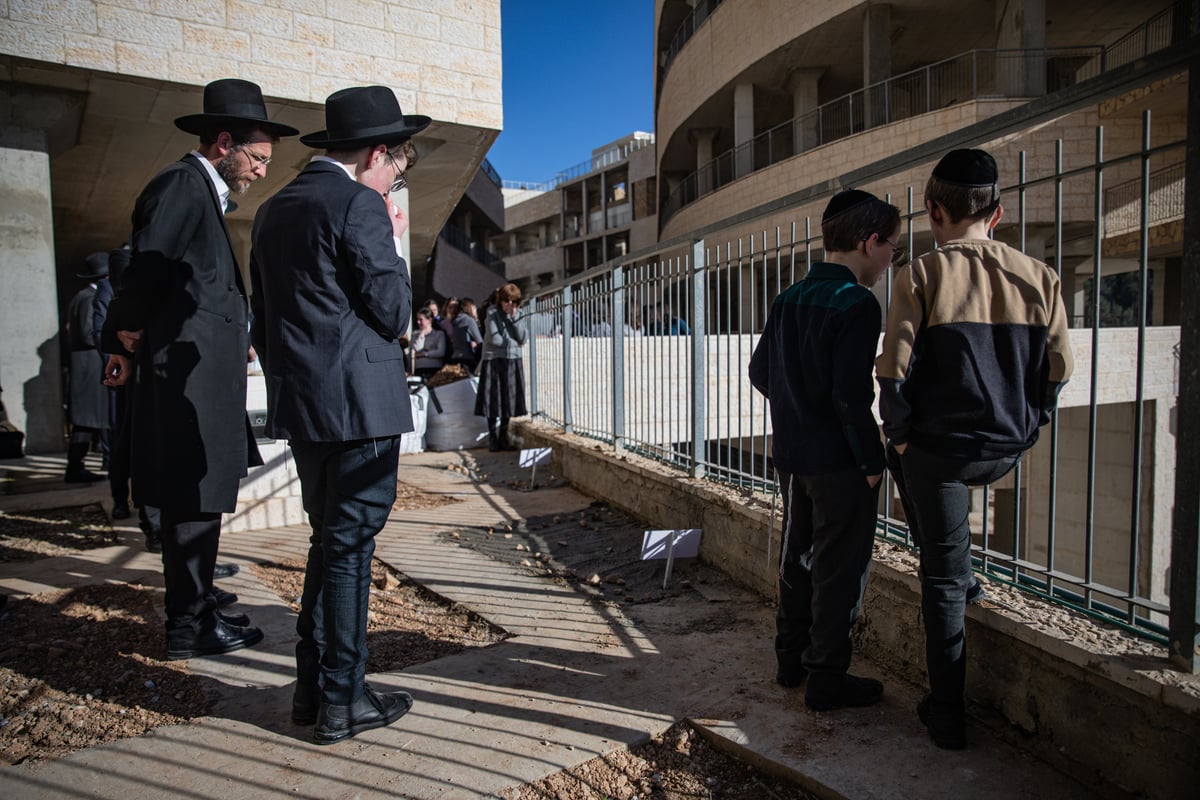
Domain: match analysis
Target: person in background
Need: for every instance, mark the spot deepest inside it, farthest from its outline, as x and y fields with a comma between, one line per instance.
x=501, y=393
x=88, y=401
x=467, y=341
x=428, y=346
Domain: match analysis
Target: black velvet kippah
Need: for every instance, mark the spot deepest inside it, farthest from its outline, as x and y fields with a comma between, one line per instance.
x=967, y=168
x=844, y=201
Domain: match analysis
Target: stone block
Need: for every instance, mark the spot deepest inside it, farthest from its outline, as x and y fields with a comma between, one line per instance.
x=140, y=59
x=360, y=12
x=207, y=11
x=284, y=53
x=63, y=15
x=32, y=41
x=91, y=52
x=216, y=41
x=462, y=32
x=375, y=41
x=195, y=68
x=396, y=73
x=407, y=22
x=353, y=67
x=258, y=19
x=139, y=27
x=313, y=30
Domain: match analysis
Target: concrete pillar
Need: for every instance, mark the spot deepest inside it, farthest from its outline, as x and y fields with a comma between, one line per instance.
x=703, y=138
x=1021, y=25
x=877, y=62
x=743, y=129
x=804, y=84
x=30, y=367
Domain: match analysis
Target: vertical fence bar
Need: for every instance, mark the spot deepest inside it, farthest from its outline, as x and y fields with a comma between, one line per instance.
x=1089, y=531
x=1135, y=511
x=1052, y=486
x=617, y=317
x=699, y=377
x=568, y=311
x=1185, y=530
x=534, y=326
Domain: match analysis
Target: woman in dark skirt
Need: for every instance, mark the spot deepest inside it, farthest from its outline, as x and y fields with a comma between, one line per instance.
x=501, y=375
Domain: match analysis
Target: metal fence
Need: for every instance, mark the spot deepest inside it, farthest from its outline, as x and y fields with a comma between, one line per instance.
x=651, y=356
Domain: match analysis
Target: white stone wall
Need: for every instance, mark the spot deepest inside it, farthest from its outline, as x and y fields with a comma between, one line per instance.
x=442, y=57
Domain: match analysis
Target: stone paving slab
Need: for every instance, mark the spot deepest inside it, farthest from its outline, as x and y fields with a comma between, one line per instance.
x=577, y=678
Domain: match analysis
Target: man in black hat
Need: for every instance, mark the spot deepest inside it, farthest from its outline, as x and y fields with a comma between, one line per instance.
x=975, y=354
x=332, y=298
x=182, y=314
x=87, y=398
x=813, y=363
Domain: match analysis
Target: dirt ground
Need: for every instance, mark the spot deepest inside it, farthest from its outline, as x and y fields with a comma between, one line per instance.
x=83, y=667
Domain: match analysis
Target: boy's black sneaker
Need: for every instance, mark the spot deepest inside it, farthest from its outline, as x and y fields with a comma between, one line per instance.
x=790, y=677
x=832, y=690
x=947, y=726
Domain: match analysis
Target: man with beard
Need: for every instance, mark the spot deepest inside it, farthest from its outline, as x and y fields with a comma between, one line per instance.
x=182, y=315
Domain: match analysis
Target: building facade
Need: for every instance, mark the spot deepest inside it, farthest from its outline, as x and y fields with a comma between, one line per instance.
x=89, y=90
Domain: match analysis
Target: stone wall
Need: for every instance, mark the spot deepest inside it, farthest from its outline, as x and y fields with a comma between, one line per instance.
x=1110, y=720
x=442, y=57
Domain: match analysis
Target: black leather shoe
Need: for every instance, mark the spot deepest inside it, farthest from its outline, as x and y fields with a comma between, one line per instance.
x=975, y=591
x=153, y=541
x=121, y=511
x=224, y=598
x=947, y=726
x=306, y=702
x=82, y=476
x=372, y=710
x=831, y=690
x=790, y=677
x=240, y=620
x=225, y=571
x=221, y=638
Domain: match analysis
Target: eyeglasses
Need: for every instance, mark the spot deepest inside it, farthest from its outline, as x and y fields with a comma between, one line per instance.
x=256, y=160
x=400, y=181
x=899, y=254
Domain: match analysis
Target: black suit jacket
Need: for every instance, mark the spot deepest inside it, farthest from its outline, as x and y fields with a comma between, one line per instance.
x=330, y=298
x=191, y=442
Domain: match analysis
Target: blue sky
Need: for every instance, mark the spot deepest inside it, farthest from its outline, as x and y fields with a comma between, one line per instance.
x=576, y=75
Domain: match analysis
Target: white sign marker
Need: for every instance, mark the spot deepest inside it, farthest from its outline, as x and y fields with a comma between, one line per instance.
x=531, y=457
x=670, y=545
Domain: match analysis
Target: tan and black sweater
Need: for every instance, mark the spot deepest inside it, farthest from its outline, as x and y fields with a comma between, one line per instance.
x=975, y=351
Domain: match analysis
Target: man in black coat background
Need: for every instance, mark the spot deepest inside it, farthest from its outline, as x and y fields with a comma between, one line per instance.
x=88, y=402
x=182, y=314
x=331, y=298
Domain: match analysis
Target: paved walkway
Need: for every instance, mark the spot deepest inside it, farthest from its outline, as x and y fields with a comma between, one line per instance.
x=577, y=678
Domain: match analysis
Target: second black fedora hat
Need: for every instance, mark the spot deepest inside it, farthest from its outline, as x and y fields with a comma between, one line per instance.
x=233, y=100
x=364, y=115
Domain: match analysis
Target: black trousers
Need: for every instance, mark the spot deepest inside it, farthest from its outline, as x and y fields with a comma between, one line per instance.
x=189, y=541
x=118, y=459
x=935, y=492
x=828, y=534
x=348, y=490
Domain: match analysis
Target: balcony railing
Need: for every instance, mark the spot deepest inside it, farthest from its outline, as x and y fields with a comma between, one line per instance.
x=652, y=357
x=613, y=155
x=974, y=75
x=458, y=239
x=700, y=14
x=1123, y=202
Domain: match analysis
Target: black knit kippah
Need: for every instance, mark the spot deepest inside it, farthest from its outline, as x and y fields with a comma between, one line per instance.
x=974, y=168
x=844, y=201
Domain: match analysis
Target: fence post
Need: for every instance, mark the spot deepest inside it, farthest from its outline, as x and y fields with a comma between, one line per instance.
x=699, y=362
x=618, y=357
x=535, y=323
x=1185, y=530
x=568, y=313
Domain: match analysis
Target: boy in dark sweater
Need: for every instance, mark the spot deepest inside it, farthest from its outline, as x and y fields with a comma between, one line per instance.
x=814, y=364
x=975, y=354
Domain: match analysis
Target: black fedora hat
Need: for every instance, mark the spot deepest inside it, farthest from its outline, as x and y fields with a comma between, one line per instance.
x=232, y=100
x=364, y=115
x=97, y=266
